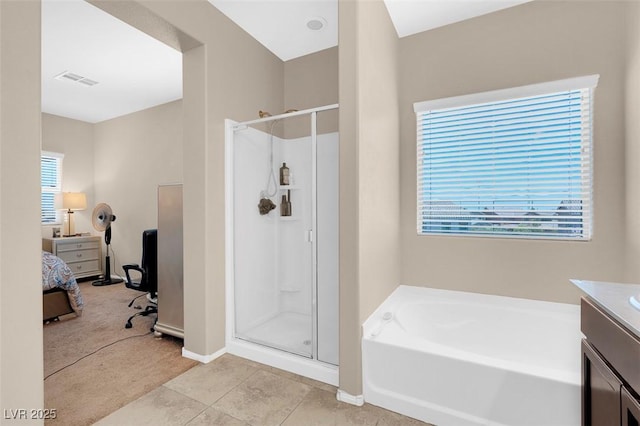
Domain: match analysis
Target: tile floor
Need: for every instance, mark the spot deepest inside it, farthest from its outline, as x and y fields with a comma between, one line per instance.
x=233, y=391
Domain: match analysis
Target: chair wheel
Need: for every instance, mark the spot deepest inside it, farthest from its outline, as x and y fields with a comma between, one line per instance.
x=128, y=325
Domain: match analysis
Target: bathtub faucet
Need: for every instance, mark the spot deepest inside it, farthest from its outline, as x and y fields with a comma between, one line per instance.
x=386, y=319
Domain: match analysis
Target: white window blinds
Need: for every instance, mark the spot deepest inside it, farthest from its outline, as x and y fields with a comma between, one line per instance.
x=51, y=183
x=509, y=163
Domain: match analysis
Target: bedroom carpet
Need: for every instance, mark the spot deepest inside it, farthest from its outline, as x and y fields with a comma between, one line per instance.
x=112, y=377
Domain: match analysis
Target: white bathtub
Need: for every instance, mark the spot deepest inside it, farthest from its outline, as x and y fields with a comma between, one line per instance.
x=455, y=358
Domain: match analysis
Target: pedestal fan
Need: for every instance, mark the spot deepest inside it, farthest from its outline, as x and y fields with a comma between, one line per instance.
x=101, y=219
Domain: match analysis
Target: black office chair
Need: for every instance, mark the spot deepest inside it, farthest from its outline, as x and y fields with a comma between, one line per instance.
x=148, y=281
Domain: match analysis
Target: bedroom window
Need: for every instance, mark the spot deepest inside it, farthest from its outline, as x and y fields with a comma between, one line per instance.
x=509, y=163
x=51, y=183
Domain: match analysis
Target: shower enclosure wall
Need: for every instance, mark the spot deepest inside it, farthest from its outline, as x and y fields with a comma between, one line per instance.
x=282, y=286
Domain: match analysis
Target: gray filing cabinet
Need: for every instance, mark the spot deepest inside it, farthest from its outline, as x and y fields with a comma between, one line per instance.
x=170, y=280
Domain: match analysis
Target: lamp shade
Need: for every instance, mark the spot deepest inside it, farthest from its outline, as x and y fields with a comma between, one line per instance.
x=70, y=201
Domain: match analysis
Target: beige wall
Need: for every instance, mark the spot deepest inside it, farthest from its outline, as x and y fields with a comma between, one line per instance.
x=311, y=81
x=369, y=174
x=74, y=139
x=632, y=154
x=379, y=151
x=539, y=41
x=349, y=312
x=531, y=43
x=133, y=155
x=119, y=162
x=221, y=80
x=21, y=365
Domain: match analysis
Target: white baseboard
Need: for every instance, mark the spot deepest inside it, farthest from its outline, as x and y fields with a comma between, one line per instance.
x=205, y=359
x=343, y=396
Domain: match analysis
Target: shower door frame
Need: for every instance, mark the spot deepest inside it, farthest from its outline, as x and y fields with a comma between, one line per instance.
x=299, y=364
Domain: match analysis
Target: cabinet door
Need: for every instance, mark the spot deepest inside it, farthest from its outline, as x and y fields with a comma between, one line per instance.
x=630, y=408
x=600, y=390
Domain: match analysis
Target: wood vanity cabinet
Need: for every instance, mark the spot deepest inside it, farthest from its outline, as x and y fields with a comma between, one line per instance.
x=610, y=370
x=600, y=390
x=630, y=408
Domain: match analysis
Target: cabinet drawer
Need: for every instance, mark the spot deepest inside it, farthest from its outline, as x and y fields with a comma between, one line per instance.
x=78, y=255
x=618, y=346
x=76, y=245
x=88, y=267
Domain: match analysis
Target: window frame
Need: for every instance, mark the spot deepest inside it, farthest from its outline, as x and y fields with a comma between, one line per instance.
x=57, y=188
x=588, y=83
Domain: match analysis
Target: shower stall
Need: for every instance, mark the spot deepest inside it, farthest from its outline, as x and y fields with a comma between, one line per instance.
x=282, y=237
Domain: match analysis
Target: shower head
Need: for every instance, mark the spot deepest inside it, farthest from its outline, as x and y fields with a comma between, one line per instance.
x=263, y=114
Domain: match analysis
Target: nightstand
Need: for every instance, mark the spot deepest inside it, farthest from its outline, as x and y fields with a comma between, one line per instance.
x=82, y=254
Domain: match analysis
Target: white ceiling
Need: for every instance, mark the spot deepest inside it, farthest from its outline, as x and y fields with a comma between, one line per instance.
x=414, y=16
x=281, y=25
x=134, y=71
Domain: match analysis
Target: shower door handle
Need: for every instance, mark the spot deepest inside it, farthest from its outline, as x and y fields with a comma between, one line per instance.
x=310, y=235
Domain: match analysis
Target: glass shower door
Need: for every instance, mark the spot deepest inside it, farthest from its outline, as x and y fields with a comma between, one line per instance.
x=273, y=250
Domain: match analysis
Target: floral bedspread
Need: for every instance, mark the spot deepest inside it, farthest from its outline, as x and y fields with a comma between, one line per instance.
x=56, y=274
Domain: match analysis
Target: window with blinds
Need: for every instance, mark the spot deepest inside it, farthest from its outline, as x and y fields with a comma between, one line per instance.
x=51, y=183
x=508, y=163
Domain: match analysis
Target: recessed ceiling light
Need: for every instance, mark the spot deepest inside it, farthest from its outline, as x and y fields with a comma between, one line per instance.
x=316, y=23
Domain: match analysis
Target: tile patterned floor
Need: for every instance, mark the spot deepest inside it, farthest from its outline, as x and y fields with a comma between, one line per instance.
x=233, y=391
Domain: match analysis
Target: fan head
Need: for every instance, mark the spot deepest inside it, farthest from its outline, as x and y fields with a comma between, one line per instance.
x=102, y=217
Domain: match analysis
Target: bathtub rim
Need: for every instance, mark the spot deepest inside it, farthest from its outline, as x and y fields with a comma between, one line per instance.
x=396, y=336
x=390, y=304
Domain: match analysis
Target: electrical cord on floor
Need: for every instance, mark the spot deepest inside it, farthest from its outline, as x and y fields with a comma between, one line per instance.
x=96, y=351
x=115, y=264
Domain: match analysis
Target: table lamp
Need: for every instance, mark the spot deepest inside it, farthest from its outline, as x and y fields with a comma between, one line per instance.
x=70, y=201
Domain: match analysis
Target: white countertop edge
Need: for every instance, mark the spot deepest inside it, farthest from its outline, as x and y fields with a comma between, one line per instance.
x=615, y=299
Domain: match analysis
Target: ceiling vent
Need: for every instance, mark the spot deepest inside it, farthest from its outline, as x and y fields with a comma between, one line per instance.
x=69, y=76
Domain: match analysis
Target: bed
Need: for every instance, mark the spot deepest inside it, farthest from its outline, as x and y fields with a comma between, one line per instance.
x=61, y=293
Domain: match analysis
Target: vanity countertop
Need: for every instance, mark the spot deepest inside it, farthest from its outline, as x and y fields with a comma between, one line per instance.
x=614, y=298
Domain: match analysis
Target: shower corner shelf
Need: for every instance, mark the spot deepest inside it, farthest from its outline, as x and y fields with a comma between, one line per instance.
x=289, y=289
x=288, y=187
